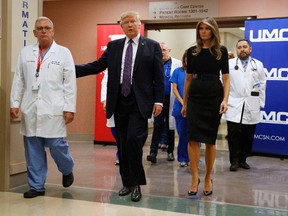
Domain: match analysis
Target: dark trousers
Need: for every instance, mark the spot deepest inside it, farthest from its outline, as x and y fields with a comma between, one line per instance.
x=132, y=132
x=114, y=133
x=240, y=141
x=157, y=129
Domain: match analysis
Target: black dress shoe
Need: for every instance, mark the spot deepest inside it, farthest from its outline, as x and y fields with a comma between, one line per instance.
x=208, y=193
x=33, y=193
x=125, y=191
x=192, y=194
x=152, y=158
x=244, y=165
x=136, y=193
x=68, y=180
x=234, y=167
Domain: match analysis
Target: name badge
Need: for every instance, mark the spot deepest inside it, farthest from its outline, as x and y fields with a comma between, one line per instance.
x=35, y=85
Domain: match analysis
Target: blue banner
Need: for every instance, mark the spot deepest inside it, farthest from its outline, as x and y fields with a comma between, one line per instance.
x=269, y=41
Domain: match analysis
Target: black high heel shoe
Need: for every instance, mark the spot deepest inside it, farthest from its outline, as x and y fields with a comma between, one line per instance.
x=194, y=193
x=208, y=193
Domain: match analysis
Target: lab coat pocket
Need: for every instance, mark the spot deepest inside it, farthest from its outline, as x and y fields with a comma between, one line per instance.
x=253, y=103
x=57, y=110
x=55, y=74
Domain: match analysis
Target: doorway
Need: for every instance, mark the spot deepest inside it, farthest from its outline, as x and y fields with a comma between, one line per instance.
x=181, y=34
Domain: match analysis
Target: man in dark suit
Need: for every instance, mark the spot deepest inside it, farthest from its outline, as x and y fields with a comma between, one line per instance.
x=133, y=109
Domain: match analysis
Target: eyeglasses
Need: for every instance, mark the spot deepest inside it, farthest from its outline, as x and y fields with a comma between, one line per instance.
x=41, y=28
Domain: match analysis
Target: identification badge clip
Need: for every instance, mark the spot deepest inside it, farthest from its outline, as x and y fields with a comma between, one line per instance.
x=35, y=85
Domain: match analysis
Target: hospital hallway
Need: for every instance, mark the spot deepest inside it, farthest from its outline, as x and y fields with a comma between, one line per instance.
x=262, y=190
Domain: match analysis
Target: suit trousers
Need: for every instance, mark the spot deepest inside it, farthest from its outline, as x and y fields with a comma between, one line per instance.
x=240, y=141
x=158, y=126
x=114, y=133
x=132, y=132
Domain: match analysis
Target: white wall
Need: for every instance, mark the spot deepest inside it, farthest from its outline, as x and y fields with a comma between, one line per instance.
x=178, y=40
x=229, y=40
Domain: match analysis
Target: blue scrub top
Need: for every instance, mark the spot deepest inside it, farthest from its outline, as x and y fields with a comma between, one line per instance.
x=178, y=77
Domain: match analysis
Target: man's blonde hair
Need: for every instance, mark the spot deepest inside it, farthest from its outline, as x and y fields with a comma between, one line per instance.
x=43, y=18
x=130, y=14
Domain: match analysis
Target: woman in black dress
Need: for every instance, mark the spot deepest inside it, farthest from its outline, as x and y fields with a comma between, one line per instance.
x=205, y=98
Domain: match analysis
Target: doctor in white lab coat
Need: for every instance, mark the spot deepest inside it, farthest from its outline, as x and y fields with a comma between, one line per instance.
x=247, y=96
x=110, y=122
x=44, y=89
x=169, y=65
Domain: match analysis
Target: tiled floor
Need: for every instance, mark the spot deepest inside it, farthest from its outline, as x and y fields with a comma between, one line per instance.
x=262, y=190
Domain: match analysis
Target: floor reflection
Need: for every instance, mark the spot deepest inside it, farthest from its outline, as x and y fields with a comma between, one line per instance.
x=262, y=190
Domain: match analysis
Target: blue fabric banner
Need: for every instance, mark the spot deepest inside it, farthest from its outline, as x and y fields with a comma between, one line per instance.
x=269, y=41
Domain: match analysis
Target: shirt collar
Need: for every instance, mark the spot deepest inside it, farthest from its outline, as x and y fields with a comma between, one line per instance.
x=135, y=39
x=245, y=60
x=168, y=61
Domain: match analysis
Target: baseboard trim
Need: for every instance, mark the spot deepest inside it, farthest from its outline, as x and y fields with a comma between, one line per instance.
x=80, y=137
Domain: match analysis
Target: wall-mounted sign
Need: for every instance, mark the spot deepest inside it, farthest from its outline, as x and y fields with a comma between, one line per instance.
x=269, y=40
x=183, y=9
x=24, y=14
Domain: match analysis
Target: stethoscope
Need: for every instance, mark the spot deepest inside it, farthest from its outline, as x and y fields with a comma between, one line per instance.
x=252, y=62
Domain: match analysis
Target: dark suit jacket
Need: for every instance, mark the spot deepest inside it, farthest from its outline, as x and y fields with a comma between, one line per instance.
x=147, y=80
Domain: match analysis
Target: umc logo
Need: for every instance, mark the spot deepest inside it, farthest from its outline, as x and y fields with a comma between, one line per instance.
x=266, y=35
x=274, y=117
x=277, y=74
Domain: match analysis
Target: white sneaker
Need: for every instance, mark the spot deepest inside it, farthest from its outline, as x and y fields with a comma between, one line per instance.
x=183, y=164
x=170, y=157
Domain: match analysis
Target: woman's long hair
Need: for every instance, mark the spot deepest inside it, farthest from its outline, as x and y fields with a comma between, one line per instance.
x=215, y=39
x=184, y=60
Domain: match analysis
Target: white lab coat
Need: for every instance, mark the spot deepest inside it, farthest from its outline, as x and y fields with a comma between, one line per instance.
x=110, y=122
x=42, y=109
x=242, y=83
x=175, y=64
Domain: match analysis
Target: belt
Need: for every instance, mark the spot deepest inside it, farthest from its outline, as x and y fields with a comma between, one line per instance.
x=205, y=76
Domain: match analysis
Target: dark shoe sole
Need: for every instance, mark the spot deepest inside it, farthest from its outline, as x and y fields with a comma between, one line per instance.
x=136, y=199
x=245, y=166
x=124, y=192
x=31, y=194
x=151, y=159
x=136, y=194
x=68, y=180
x=234, y=167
